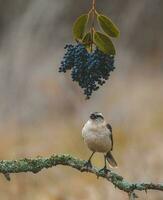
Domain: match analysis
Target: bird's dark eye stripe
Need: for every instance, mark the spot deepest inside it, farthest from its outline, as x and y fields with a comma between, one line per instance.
x=99, y=116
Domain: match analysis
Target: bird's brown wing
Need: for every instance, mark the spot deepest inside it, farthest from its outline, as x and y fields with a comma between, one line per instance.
x=111, y=135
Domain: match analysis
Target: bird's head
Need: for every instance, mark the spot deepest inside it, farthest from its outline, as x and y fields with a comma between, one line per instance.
x=97, y=117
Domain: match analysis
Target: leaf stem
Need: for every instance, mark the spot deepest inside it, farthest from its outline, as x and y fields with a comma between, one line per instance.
x=93, y=21
x=93, y=4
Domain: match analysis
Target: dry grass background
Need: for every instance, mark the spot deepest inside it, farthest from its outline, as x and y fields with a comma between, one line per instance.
x=42, y=112
x=135, y=113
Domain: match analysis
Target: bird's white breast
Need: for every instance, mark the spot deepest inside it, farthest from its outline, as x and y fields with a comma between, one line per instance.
x=97, y=136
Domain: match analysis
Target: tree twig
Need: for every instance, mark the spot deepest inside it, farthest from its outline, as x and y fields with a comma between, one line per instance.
x=36, y=165
x=132, y=196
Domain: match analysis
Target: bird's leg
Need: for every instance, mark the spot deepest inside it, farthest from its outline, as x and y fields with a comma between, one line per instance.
x=104, y=169
x=88, y=164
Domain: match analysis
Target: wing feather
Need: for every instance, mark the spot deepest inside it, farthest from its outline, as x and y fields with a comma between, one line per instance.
x=111, y=135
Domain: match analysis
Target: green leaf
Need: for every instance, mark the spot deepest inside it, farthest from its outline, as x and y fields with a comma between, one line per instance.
x=87, y=40
x=108, y=26
x=104, y=43
x=79, y=26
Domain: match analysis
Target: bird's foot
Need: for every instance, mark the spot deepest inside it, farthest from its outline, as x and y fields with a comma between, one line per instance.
x=87, y=165
x=104, y=170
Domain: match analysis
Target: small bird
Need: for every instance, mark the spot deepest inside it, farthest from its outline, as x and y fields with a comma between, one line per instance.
x=98, y=137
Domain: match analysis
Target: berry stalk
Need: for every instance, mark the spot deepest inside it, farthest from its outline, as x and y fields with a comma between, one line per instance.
x=93, y=21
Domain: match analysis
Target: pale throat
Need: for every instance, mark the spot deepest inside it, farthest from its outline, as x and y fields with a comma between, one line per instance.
x=96, y=124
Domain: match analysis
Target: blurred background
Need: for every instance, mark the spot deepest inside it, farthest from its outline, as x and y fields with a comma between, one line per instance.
x=42, y=112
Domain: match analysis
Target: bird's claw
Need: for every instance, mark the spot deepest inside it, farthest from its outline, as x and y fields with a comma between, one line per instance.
x=87, y=165
x=104, y=170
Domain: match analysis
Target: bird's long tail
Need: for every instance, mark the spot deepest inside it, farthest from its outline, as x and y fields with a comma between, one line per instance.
x=111, y=160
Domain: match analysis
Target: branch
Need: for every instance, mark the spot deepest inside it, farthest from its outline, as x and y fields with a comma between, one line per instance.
x=8, y=167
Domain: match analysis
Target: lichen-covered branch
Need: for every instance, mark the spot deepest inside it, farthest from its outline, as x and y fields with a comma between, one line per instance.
x=8, y=167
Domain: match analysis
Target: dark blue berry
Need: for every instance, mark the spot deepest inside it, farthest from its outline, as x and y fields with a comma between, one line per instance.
x=90, y=70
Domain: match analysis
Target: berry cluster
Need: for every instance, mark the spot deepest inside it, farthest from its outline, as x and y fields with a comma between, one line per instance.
x=90, y=70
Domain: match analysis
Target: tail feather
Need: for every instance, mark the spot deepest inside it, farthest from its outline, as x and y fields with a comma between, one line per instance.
x=111, y=160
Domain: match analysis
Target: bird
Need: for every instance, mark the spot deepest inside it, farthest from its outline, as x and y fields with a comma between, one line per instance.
x=98, y=137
